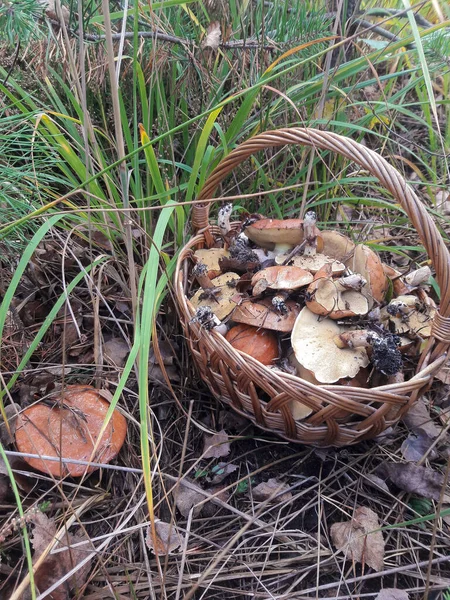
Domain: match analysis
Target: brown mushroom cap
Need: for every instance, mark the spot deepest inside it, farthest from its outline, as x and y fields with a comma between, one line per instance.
x=325, y=298
x=69, y=429
x=224, y=304
x=368, y=264
x=280, y=278
x=312, y=263
x=263, y=314
x=313, y=343
x=267, y=233
x=210, y=257
x=262, y=344
x=337, y=245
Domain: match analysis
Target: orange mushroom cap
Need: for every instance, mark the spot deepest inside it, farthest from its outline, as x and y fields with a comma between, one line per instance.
x=69, y=430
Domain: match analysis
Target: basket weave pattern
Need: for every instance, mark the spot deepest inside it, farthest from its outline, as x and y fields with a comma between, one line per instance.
x=341, y=415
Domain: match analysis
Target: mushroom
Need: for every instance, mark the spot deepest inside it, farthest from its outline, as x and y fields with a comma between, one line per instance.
x=407, y=315
x=310, y=233
x=221, y=305
x=313, y=342
x=366, y=262
x=337, y=245
x=279, y=235
x=205, y=317
x=414, y=280
x=263, y=314
x=261, y=344
x=69, y=428
x=280, y=278
x=312, y=263
x=223, y=218
x=211, y=257
x=328, y=297
x=385, y=355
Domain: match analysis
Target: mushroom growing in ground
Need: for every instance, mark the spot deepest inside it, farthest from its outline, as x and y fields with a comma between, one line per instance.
x=313, y=341
x=280, y=278
x=336, y=298
x=280, y=235
x=221, y=304
x=259, y=343
x=68, y=428
x=263, y=314
x=366, y=262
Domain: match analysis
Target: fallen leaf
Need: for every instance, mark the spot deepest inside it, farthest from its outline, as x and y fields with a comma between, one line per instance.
x=418, y=417
x=392, y=594
x=413, y=479
x=216, y=445
x=221, y=471
x=115, y=351
x=167, y=351
x=272, y=488
x=57, y=565
x=211, y=508
x=186, y=498
x=7, y=430
x=156, y=375
x=416, y=445
x=168, y=538
x=376, y=482
x=213, y=36
x=356, y=540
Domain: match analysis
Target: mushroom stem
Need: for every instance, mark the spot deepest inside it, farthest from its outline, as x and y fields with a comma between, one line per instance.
x=223, y=218
x=360, y=338
x=418, y=277
x=279, y=302
x=402, y=306
x=294, y=252
x=205, y=317
x=355, y=281
x=310, y=233
x=386, y=357
x=200, y=272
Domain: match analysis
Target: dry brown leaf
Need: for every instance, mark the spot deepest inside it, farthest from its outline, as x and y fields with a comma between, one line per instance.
x=168, y=539
x=221, y=471
x=375, y=482
x=55, y=566
x=444, y=373
x=418, y=417
x=392, y=594
x=216, y=445
x=116, y=350
x=416, y=445
x=413, y=479
x=186, y=498
x=355, y=539
x=213, y=36
x=272, y=488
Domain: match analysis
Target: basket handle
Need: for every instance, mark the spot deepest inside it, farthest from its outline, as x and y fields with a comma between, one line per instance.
x=369, y=160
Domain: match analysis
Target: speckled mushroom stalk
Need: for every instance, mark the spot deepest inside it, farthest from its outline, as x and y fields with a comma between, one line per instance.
x=200, y=272
x=223, y=218
x=310, y=233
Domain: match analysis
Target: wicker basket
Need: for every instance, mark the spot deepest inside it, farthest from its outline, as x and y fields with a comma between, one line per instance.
x=341, y=415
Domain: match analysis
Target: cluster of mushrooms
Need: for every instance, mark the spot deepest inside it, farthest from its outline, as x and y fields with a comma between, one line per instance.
x=311, y=303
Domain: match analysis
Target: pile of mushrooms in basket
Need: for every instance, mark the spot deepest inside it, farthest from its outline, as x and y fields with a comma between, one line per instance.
x=311, y=303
